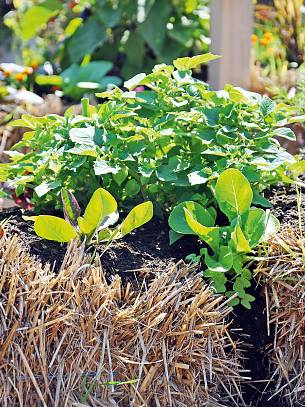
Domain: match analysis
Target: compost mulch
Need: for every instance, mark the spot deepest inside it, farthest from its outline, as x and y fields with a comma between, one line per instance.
x=148, y=249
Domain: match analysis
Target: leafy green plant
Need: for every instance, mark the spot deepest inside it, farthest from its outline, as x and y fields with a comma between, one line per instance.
x=93, y=226
x=168, y=143
x=229, y=246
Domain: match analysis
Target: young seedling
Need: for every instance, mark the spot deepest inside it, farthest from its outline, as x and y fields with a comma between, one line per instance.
x=94, y=226
x=228, y=247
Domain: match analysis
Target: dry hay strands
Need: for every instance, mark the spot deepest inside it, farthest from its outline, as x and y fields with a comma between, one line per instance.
x=282, y=272
x=75, y=339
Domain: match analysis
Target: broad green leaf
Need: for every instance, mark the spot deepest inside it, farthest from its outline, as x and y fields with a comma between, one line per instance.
x=187, y=63
x=221, y=262
x=177, y=220
x=54, y=228
x=266, y=105
x=241, y=244
x=258, y=199
x=70, y=206
x=210, y=235
x=138, y=216
x=233, y=193
x=131, y=188
x=285, y=132
x=120, y=176
x=29, y=121
x=101, y=204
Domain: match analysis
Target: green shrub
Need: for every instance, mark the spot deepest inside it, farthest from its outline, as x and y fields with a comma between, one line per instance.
x=168, y=144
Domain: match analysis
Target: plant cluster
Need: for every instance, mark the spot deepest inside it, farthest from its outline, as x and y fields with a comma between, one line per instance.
x=100, y=213
x=230, y=244
x=168, y=143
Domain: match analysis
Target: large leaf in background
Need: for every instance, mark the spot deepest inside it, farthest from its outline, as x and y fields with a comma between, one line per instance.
x=35, y=18
x=54, y=228
x=86, y=38
x=138, y=216
x=153, y=29
x=135, y=52
x=177, y=220
x=233, y=193
x=101, y=205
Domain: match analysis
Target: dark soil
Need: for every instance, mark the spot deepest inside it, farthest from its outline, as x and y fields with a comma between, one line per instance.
x=284, y=199
x=148, y=249
x=144, y=250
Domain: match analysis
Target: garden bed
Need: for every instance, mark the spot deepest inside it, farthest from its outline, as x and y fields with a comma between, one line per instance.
x=142, y=255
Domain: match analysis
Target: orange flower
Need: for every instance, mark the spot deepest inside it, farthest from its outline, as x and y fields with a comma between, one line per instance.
x=27, y=70
x=254, y=38
x=268, y=36
x=20, y=77
x=34, y=65
x=264, y=41
x=7, y=74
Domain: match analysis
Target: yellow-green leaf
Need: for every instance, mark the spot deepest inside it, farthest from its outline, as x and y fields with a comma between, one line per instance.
x=187, y=63
x=208, y=234
x=101, y=204
x=137, y=217
x=233, y=193
x=240, y=242
x=54, y=228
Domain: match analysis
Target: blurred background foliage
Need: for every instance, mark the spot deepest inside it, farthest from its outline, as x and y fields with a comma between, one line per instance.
x=82, y=46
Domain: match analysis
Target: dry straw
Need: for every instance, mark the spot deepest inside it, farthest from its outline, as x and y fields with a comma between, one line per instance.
x=67, y=339
x=283, y=274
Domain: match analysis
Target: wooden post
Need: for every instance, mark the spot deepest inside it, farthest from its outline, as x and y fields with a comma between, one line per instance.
x=231, y=29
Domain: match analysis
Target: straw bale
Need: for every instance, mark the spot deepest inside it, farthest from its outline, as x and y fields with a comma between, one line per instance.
x=74, y=338
x=282, y=272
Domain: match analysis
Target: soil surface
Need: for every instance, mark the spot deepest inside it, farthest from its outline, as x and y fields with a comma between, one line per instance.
x=148, y=249
x=145, y=249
